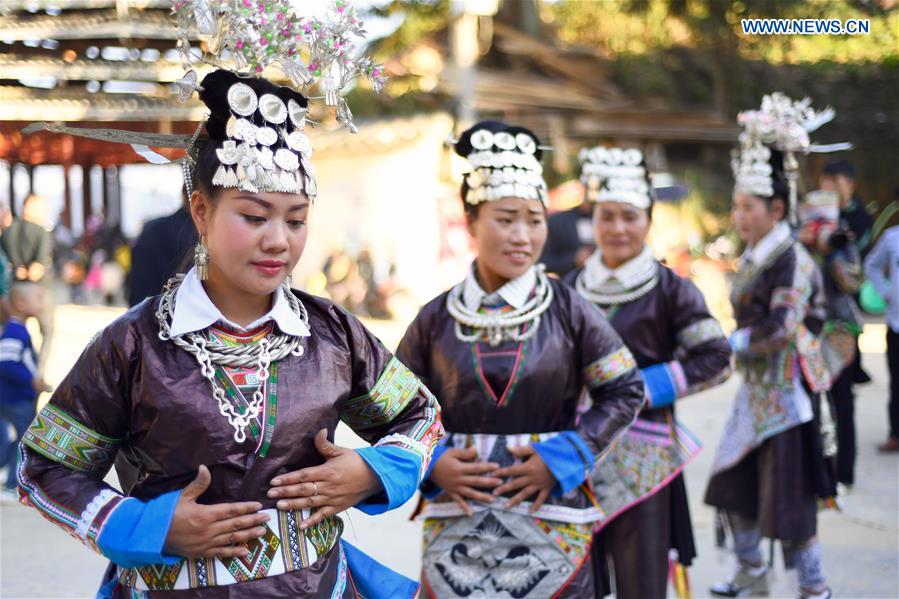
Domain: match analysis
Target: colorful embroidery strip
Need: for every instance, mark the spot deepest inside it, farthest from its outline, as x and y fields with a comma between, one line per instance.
x=32, y=494
x=236, y=398
x=609, y=367
x=699, y=332
x=283, y=548
x=59, y=437
x=257, y=563
x=390, y=395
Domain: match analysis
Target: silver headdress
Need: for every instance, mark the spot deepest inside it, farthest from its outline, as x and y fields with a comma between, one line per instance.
x=782, y=124
x=265, y=146
x=615, y=175
x=505, y=162
x=261, y=144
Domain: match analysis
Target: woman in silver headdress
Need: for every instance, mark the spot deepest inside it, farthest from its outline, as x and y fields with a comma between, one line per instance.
x=507, y=352
x=680, y=350
x=769, y=471
x=217, y=400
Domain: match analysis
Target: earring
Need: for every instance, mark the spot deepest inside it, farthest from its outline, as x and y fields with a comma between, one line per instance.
x=201, y=260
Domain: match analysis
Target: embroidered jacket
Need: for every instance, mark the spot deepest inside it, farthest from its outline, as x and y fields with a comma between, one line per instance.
x=140, y=403
x=533, y=386
x=779, y=306
x=680, y=350
x=514, y=394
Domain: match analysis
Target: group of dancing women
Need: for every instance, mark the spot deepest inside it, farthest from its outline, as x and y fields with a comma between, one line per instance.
x=536, y=416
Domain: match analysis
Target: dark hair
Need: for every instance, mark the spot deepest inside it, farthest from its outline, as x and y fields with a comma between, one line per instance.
x=779, y=182
x=839, y=166
x=463, y=148
x=206, y=162
x=214, y=93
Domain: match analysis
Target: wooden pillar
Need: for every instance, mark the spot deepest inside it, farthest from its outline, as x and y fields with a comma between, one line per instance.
x=12, y=189
x=65, y=217
x=112, y=197
x=87, y=207
x=101, y=189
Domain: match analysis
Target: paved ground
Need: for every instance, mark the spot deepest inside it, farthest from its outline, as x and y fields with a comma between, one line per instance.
x=861, y=543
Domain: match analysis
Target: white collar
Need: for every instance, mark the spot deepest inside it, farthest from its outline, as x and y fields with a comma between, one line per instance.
x=194, y=311
x=757, y=254
x=515, y=292
x=629, y=275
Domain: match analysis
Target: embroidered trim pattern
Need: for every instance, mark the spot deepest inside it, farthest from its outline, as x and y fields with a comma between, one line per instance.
x=283, y=548
x=422, y=450
x=700, y=332
x=678, y=376
x=609, y=367
x=59, y=437
x=390, y=395
x=340, y=584
x=257, y=563
x=90, y=512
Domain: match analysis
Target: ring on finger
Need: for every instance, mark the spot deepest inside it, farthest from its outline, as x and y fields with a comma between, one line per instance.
x=314, y=489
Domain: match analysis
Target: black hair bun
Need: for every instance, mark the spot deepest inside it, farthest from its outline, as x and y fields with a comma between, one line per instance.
x=464, y=146
x=214, y=94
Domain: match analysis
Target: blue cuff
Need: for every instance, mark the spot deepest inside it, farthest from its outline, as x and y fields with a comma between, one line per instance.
x=397, y=469
x=659, y=384
x=135, y=531
x=568, y=458
x=374, y=580
x=429, y=489
x=739, y=341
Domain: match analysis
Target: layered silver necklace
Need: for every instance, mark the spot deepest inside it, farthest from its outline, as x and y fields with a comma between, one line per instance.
x=270, y=348
x=642, y=278
x=495, y=327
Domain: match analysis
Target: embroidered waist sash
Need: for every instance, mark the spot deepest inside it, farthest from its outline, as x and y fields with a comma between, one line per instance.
x=646, y=459
x=283, y=548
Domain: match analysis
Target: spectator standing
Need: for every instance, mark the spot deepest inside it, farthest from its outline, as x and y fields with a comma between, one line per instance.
x=20, y=382
x=570, y=239
x=29, y=248
x=882, y=269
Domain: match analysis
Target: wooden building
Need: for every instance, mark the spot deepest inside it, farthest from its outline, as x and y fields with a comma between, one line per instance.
x=87, y=63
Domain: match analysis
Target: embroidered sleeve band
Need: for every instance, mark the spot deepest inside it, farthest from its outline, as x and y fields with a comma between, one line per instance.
x=609, y=367
x=699, y=332
x=85, y=527
x=59, y=437
x=391, y=393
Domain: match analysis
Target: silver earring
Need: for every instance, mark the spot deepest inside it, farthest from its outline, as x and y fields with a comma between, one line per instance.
x=201, y=260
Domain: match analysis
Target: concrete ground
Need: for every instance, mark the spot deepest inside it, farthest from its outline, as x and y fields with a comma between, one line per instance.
x=861, y=543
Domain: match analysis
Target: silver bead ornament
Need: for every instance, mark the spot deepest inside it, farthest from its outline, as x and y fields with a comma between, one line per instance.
x=266, y=136
x=504, y=141
x=227, y=154
x=244, y=130
x=287, y=160
x=266, y=158
x=298, y=142
x=242, y=99
x=297, y=114
x=616, y=155
x=526, y=143
x=272, y=109
x=633, y=157
x=482, y=139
